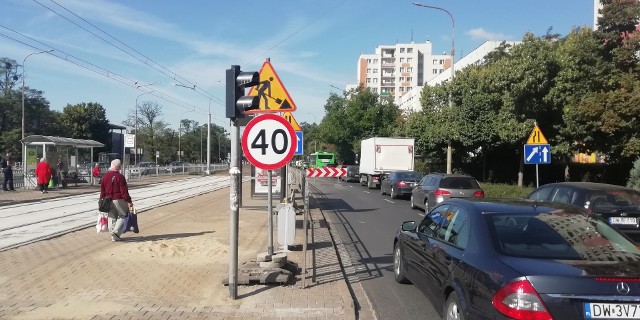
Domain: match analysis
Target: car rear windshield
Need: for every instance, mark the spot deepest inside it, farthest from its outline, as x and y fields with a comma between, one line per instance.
x=410, y=175
x=614, y=198
x=559, y=235
x=459, y=183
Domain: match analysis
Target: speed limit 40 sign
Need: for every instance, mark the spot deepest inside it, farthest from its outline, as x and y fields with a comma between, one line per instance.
x=269, y=141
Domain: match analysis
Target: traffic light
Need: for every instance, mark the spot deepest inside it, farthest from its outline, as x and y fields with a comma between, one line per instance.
x=237, y=103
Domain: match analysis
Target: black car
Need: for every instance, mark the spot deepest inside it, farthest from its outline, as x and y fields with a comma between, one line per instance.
x=518, y=259
x=353, y=174
x=399, y=183
x=619, y=206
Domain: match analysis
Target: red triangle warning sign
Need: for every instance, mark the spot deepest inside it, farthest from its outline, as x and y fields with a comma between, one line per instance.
x=272, y=93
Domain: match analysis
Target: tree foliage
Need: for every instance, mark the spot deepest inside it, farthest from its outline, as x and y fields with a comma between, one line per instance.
x=356, y=115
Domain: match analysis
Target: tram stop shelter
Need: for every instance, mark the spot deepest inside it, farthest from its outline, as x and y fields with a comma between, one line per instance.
x=53, y=149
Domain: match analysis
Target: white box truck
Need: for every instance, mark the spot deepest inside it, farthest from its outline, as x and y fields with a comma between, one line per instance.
x=382, y=155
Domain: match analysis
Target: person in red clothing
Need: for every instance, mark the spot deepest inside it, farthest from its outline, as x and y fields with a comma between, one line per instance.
x=114, y=186
x=96, y=174
x=43, y=173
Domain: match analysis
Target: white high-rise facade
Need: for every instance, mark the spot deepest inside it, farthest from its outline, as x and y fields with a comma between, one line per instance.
x=393, y=70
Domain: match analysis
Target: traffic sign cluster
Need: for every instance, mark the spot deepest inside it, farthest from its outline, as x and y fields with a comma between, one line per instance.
x=537, y=150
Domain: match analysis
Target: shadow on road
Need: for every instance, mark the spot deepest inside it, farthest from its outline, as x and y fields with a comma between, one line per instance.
x=128, y=236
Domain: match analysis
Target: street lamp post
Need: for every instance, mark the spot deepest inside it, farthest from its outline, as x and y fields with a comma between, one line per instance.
x=24, y=146
x=208, y=127
x=220, y=135
x=453, y=28
x=135, y=140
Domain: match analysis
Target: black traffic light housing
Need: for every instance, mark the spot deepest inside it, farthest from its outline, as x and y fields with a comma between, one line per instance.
x=237, y=103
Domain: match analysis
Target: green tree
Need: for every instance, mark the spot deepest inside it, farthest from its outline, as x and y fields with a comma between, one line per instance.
x=617, y=31
x=356, y=115
x=634, y=176
x=85, y=121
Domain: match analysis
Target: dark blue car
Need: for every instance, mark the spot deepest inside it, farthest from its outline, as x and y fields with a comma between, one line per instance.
x=519, y=259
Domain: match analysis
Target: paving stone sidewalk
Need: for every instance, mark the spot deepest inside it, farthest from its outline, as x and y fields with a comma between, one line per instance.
x=173, y=269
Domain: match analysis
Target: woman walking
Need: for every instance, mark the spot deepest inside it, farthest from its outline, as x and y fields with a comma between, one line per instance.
x=43, y=173
x=114, y=186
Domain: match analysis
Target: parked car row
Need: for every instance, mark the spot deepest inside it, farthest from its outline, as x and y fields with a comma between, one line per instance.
x=566, y=251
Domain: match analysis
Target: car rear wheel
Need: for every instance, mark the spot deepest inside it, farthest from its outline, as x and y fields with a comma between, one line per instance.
x=398, y=265
x=393, y=193
x=453, y=310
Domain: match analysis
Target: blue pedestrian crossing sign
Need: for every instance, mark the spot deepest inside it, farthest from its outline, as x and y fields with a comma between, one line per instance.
x=299, y=147
x=537, y=154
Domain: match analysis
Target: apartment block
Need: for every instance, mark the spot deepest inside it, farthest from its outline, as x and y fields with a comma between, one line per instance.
x=394, y=70
x=410, y=100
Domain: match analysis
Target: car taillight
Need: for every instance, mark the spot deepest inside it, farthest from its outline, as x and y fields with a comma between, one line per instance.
x=479, y=194
x=440, y=192
x=401, y=184
x=519, y=300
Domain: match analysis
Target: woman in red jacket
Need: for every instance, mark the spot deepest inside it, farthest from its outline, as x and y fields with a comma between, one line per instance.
x=114, y=186
x=43, y=173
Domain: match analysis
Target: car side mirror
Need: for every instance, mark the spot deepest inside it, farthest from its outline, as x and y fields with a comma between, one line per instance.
x=408, y=226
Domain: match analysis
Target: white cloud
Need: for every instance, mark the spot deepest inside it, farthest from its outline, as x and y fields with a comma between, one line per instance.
x=481, y=34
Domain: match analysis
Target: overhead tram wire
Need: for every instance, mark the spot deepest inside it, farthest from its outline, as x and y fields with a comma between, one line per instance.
x=295, y=32
x=146, y=59
x=60, y=54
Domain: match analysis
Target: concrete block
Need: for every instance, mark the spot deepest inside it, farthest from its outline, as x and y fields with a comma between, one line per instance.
x=271, y=265
x=263, y=256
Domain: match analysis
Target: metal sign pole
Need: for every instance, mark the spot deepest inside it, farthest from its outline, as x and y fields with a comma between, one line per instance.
x=270, y=212
x=305, y=192
x=537, y=179
x=234, y=172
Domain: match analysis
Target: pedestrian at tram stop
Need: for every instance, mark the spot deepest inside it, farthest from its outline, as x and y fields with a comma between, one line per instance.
x=114, y=186
x=7, y=170
x=43, y=173
x=96, y=173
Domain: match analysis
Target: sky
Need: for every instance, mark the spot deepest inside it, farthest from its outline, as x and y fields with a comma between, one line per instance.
x=111, y=52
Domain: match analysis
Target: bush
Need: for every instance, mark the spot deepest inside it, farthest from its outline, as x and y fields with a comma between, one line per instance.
x=501, y=190
x=634, y=176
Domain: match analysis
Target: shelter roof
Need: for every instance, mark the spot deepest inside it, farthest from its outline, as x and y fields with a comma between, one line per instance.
x=61, y=141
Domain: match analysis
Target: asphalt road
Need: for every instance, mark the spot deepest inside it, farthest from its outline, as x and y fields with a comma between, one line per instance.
x=367, y=225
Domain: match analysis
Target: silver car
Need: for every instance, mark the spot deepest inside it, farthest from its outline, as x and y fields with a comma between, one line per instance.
x=437, y=187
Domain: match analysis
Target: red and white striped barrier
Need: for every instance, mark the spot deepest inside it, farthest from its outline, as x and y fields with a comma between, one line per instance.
x=327, y=172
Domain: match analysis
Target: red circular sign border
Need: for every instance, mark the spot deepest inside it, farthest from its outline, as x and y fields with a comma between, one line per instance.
x=245, y=137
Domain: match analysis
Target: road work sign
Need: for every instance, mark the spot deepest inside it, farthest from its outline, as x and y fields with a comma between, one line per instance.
x=271, y=92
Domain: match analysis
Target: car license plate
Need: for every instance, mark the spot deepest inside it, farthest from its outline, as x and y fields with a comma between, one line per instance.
x=611, y=311
x=623, y=220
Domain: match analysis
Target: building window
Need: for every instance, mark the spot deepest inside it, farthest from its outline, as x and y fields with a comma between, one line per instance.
x=375, y=80
x=401, y=50
x=375, y=61
x=368, y=70
x=435, y=61
x=401, y=89
x=375, y=70
x=409, y=88
x=410, y=69
x=441, y=61
x=409, y=60
x=401, y=69
x=409, y=79
x=401, y=79
x=409, y=50
x=435, y=71
x=368, y=60
x=441, y=70
x=368, y=80
x=374, y=90
x=401, y=60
